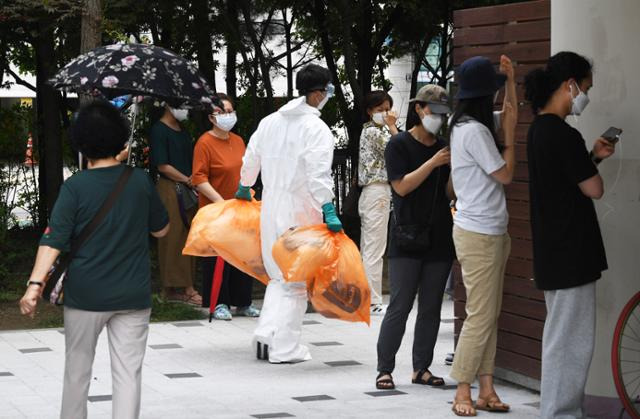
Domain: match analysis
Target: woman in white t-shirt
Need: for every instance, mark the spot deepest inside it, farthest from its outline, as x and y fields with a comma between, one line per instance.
x=480, y=168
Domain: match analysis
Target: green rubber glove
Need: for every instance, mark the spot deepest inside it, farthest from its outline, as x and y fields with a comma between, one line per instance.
x=244, y=192
x=330, y=217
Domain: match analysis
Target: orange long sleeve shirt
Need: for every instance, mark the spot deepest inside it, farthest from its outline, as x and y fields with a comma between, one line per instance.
x=218, y=161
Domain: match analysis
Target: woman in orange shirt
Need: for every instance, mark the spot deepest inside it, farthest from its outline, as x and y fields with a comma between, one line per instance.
x=217, y=160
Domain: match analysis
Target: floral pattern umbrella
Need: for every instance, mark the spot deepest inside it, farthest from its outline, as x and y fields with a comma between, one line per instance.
x=137, y=69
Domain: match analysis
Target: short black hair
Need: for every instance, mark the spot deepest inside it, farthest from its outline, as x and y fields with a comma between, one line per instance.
x=312, y=77
x=99, y=130
x=377, y=98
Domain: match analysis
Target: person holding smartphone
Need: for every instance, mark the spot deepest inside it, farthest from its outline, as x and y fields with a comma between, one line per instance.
x=568, y=252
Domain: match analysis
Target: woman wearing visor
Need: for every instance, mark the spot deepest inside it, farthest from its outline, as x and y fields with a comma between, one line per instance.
x=420, y=244
x=217, y=160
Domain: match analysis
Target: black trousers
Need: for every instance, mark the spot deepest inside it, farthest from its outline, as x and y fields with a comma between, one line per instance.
x=236, y=286
x=408, y=277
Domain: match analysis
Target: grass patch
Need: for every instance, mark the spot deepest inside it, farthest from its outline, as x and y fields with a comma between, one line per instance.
x=8, y=296
x=163, y=311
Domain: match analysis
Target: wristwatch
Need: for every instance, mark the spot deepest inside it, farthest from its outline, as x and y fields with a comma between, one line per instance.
x=38, y=283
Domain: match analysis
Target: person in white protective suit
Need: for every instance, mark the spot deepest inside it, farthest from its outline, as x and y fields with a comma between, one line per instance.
x=293, y=148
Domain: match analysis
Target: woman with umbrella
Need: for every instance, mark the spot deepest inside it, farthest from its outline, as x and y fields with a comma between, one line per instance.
x=147, y=70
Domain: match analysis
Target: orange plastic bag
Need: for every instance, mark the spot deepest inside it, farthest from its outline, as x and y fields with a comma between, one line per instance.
x=229, y=229
x=331, y=265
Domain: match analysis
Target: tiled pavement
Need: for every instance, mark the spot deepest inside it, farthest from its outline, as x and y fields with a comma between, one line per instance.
x=208, y=370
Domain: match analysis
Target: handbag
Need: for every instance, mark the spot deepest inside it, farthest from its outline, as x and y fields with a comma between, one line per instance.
x=55, y=281
x=416, y=237
x=187, y=199
x=187, y=195
x=350, y=204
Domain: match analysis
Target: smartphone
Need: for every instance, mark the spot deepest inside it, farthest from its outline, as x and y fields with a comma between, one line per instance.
x=612, y=134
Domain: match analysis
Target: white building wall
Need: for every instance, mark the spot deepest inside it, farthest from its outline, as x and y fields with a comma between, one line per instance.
x=608, y=32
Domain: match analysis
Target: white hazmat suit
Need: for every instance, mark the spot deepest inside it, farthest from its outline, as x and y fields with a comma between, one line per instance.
x=293, y=148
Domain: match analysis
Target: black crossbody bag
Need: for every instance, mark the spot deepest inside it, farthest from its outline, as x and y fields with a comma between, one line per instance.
x=53, y=290
x=416, y=238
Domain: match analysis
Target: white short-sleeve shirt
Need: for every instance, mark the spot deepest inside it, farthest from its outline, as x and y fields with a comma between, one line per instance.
x=481, y=205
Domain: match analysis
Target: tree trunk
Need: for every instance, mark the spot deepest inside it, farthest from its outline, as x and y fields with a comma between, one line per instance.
x=202, y=36
x=418, y=56
x=287, y=40
x=320, y=23
x=231, y=78
x=232, y=49
x=257, y=42
x=48, y=117
x=91, y=26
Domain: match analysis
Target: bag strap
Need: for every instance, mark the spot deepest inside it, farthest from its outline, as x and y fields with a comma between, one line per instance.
x=102, y=212
x=435, y=196
x=90, y=228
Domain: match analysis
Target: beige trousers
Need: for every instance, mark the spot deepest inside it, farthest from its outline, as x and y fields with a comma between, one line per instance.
x=176, y=270
x=373, y=207
x=483, y=259
x=128, y=332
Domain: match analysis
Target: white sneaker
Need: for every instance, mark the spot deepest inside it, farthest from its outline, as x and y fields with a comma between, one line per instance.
x=378, y=309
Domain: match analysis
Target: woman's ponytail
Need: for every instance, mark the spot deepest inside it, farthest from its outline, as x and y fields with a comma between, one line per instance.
x=539, y=88
x=540, y=84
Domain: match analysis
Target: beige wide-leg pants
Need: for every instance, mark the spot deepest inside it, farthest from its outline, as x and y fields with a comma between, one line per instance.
x=127, y=332
x=483, y=259
x=373, y=207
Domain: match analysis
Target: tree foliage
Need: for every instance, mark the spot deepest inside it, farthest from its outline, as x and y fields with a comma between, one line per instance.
x=262, y=39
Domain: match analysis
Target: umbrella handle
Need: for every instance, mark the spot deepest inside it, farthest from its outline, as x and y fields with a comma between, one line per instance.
x=134, y=109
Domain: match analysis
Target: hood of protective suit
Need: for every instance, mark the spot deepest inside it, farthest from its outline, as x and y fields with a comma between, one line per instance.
x=297, y=107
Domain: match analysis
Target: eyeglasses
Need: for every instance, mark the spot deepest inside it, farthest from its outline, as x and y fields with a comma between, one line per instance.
x=216, y=113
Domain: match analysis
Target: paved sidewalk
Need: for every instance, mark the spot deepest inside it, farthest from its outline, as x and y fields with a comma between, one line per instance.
x=208, y=370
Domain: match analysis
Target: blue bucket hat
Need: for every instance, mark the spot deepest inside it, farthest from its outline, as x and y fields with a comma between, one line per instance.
x=477, y=77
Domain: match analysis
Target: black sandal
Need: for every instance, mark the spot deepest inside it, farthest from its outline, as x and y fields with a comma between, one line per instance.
x=432, y=381
x=385, y=384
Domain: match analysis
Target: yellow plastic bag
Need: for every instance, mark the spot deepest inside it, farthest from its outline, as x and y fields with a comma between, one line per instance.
x=331, y=266
x=229, y=229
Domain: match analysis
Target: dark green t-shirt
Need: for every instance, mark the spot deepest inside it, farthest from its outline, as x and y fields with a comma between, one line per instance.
x=111, y=269
x=171, y=147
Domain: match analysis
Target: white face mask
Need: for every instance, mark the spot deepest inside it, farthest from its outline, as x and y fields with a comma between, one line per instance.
x=226, y=121
x=378, y=118
x=179, y=114
x=432, y=123
x=579, y=102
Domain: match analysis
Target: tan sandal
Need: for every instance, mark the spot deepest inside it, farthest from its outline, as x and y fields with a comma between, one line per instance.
x=194, y=298
x=492, y=404
x=457, y=404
